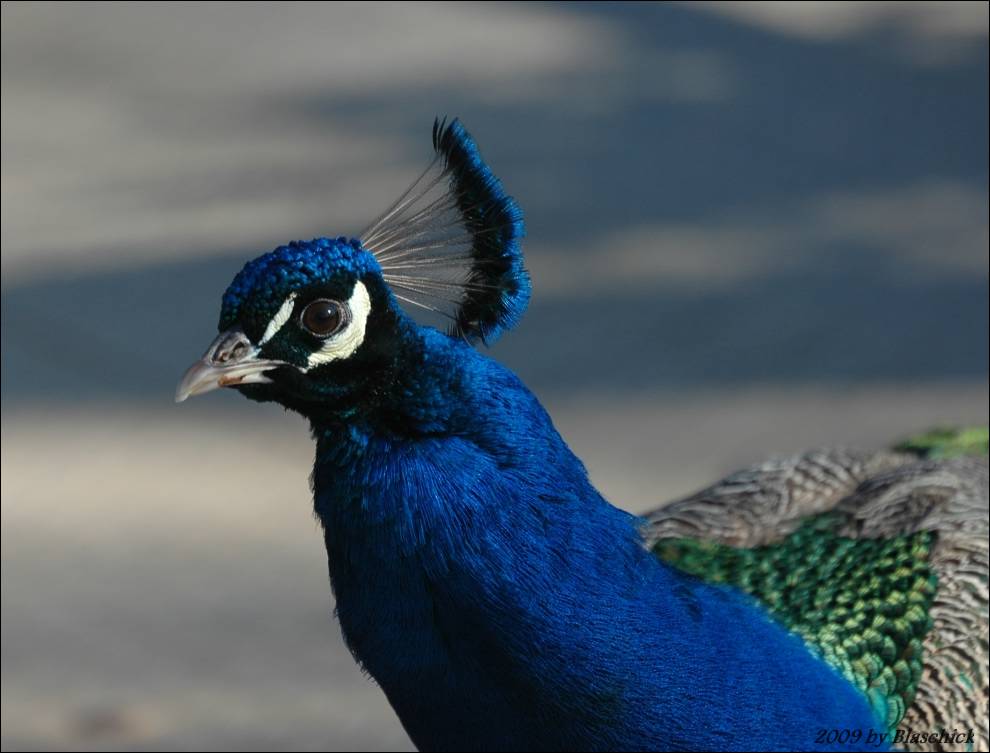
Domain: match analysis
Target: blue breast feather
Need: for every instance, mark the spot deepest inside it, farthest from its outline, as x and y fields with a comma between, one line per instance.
x=502, y=603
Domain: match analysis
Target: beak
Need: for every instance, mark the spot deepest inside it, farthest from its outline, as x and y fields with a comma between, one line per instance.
x=231, y=359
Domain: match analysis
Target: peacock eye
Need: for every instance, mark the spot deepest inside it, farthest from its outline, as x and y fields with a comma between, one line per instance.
x=324, y=317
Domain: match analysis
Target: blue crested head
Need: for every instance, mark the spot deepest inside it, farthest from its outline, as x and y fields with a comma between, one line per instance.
x=261, y=287
x=319, y=325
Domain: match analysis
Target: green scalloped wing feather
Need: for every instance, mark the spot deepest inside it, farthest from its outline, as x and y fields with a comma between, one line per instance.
x=877, y=559
x=863, y=605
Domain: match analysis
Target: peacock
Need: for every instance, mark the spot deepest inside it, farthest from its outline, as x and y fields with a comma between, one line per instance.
x=833, y=600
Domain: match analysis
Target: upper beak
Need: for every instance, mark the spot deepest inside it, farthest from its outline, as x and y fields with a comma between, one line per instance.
x=230, y=360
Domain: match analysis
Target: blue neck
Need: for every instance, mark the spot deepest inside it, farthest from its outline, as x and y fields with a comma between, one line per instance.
x=500, y=602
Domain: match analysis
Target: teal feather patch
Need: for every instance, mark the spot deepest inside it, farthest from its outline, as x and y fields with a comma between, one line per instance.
x=942, y=443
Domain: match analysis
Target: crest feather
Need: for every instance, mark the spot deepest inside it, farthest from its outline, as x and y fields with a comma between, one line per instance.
x=451, y=242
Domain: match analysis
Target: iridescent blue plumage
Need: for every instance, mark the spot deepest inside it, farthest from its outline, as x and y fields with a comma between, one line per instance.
x=497, y=598
x=502, y=604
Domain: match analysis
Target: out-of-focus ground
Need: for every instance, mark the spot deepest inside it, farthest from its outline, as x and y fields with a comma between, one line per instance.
x=753, y=228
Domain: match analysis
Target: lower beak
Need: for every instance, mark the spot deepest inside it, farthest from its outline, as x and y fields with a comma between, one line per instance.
x=231, y=360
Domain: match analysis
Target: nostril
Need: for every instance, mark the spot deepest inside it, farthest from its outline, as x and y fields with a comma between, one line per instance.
x=233, y=347
x=231, y=352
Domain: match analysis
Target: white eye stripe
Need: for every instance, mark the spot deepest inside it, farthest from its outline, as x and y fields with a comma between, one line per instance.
x=349, y=339
x=278, y=321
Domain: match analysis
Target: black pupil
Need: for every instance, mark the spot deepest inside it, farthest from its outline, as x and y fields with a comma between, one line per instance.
x=322, y=317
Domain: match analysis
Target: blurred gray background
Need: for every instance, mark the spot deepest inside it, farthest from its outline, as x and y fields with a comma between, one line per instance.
x=753, y=228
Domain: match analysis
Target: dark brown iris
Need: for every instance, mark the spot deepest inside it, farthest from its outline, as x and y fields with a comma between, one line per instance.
x=323, y=317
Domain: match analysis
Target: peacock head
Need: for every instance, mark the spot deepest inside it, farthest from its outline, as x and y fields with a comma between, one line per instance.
x=321, y=324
